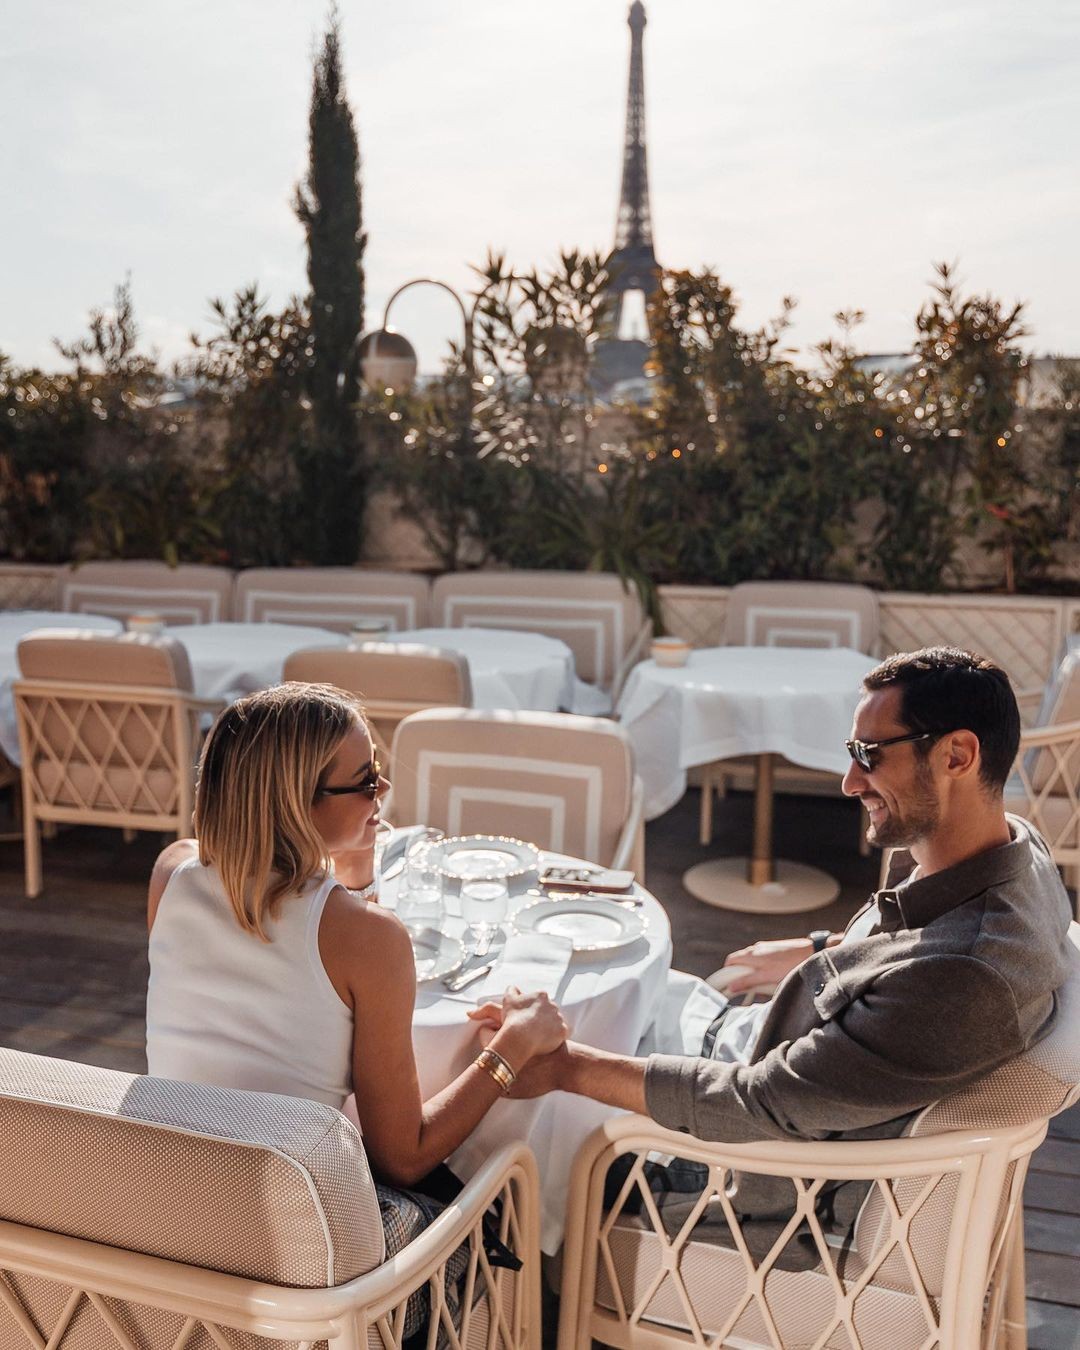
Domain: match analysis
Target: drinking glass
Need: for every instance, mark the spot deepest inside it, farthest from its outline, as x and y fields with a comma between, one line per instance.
x=484, y=902
x=420, y=904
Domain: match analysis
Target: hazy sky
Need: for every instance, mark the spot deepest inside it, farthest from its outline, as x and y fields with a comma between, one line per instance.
x=831, y=152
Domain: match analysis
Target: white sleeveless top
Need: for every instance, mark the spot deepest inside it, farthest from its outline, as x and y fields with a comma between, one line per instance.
x=226, y=1008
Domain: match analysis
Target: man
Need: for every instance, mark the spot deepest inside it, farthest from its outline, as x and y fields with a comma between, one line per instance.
x=935, y=982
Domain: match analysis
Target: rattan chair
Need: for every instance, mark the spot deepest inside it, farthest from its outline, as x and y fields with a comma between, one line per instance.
x=143, y=1214
x=108, y=734
x=789, y=614
x=190, y=593
x=337, y=598
x=936, y=1257
x=560, y=781
x=596, y=614
x=1045, y=783
x=393, y=679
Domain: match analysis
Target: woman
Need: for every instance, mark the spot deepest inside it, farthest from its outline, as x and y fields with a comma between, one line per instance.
x=269, y=971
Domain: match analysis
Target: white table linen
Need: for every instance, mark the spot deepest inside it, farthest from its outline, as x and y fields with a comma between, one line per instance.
x=14, y=625
x=508, y=669
x=729, y=701
x=229, y=660
x=609, y=1001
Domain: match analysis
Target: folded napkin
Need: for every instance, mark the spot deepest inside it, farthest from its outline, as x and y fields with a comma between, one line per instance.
x=532, y=961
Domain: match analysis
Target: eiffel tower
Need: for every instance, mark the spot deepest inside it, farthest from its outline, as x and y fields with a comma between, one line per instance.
x=632, y=263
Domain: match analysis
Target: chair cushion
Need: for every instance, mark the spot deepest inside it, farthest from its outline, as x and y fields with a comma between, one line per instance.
x=801, y=614
x=592, y=612
x=81, y=656
x=190, y=593
x=561, y=781
x=332, y=597
x=249, y=1183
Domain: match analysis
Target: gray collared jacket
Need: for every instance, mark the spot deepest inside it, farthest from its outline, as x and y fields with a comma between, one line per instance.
x=957, y=977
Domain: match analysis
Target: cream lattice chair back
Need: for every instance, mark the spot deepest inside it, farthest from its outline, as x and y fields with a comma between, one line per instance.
x=801, y=614
x=190, y=593
x=393, y=679
x=598, y=618
x=1045, y=783
x=144, y=1214
x=936, y=1255
x=562, y=782
x=332, y=597
x=108, y=730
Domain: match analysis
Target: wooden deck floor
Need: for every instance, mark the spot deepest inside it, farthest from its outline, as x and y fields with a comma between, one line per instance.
x=73, y=981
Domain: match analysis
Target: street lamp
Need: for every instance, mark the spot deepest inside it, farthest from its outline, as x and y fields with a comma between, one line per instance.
x=388, y=358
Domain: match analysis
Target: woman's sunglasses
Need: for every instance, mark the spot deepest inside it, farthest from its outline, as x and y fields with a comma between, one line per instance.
x=368, y=785
x=863, y=752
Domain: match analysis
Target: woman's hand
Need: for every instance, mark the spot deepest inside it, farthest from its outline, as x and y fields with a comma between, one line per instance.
x=526, y=1025
x=767, y=962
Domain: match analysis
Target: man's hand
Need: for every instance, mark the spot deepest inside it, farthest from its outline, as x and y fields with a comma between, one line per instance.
x=767, y=962
x=543, y=1073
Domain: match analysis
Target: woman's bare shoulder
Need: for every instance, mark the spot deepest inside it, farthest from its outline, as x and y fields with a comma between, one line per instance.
x=355, y=933
x=168, y=860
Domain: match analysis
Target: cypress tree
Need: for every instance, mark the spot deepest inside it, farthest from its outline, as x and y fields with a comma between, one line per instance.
x=328, y=206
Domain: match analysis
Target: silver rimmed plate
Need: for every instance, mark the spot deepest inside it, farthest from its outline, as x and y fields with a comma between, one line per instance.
x=591, y=925
x=464, y=857
x=436, y=954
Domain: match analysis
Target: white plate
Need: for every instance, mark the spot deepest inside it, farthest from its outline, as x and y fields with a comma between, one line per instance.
x=467, y=856
x=437, y=955
x=591, y=925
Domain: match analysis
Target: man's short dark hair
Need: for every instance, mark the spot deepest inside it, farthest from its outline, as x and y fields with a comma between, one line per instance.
x=945, y=689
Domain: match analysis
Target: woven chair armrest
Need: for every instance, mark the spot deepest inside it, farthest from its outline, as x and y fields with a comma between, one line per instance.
x=837, y=1160
x=295, y=1314
x=1048, y=735
x=633, y=654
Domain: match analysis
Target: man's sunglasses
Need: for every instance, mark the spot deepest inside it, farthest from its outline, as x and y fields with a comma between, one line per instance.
x=368, y=785
x=863, y=752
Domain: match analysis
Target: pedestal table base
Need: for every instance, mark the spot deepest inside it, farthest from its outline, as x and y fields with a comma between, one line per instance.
x=723, y=883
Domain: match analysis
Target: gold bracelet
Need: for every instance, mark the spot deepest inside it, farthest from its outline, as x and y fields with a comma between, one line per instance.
x=493, y=1063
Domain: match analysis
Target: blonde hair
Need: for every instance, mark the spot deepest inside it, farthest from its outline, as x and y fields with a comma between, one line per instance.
x=261, y=767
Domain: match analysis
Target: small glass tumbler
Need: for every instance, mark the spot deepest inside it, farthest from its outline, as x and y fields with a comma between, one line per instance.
x=484, y=904
x=420, y=905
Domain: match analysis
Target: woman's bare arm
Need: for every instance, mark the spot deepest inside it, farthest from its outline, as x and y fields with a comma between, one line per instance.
x=168, y=860
x=369, y=949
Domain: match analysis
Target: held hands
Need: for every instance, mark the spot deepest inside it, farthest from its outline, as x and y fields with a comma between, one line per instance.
x=522, y=1026
x=767, y=962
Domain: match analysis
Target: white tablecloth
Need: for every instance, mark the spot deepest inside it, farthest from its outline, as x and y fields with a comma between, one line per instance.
x=727, y=701
x=609, y=1002
x=508, y=669
x=229, y=660
x=15, y=624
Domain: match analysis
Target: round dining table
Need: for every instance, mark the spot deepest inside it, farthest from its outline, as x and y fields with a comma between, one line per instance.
x=507, y=668
x=14, y=625
x=767, y=702
x=610, y=1000
x=229, y=660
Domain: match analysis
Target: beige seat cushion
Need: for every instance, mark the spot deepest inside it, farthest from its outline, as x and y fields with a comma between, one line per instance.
x=268, y=1187
x=81, y=656
x=388, y=672
x=562, y=782
x=190, y=593
x=332, y=597
x=801, y=614
x=591, y=612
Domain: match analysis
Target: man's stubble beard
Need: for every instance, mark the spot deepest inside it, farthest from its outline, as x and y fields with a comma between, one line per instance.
x=922, y=815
